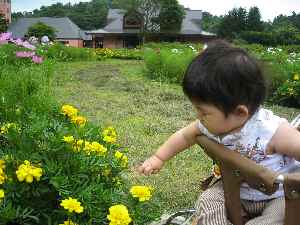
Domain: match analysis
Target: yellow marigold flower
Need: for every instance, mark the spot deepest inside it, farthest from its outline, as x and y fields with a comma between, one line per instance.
x=79, y=120
x=2, y=176
x=1, y=194
x=109, y=135
x=296, y=76
x=2, y=164
x=110, y=139
x=78, y=145
x=124, y=161
x=69, y=110
x=69, y=139
x=96, y=147
x=123, y=158
x=69, y=222
x=71, y=205
x=2, y=173
x=144, y=193
x=118, y=155
x=6, y=127
x=118, y=215
x=28, y=172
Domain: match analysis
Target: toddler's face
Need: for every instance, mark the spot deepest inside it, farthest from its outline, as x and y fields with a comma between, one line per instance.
x=215, y=120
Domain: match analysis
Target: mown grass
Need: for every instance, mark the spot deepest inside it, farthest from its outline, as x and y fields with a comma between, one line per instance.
x=145, y=113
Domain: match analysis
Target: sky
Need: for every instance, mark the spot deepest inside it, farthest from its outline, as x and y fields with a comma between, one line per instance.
x=268, y=8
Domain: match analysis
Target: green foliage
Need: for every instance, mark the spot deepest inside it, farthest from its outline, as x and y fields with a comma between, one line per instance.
x=288, y=94
x=8, y=56
x=210, y=22
x=62, y=53
x=263, y=38
x=233, y=23
x=33, y=127
x=285, y=35
x=170, y=16
x=3, y=23
x=254, y=22
x=122, y=53
x=168, y=64
x=40, y=29
x=87, y=15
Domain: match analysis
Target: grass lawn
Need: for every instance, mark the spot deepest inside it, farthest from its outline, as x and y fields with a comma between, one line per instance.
x=144, y=113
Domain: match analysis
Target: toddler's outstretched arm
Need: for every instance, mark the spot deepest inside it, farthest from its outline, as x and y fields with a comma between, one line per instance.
x=286, y=141
x=179, y=141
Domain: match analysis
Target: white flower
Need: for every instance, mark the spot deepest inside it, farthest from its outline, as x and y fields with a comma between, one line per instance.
x=190, y=46
x=174, y=50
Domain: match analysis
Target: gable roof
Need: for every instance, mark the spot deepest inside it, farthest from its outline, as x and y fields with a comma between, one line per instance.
x=191, y=24
x=65, y=28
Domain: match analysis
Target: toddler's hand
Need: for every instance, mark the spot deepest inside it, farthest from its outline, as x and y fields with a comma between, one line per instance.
x=151, y=166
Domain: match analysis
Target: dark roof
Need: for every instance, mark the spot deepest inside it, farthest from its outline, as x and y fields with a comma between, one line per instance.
x=191, y=24
x=65, y=28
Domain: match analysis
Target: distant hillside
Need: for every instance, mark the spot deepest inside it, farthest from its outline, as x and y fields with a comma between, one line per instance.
x=87, y=15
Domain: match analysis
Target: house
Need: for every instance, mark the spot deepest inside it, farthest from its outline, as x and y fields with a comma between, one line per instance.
x=5, y=9
x=67, y=32
x=124, y=31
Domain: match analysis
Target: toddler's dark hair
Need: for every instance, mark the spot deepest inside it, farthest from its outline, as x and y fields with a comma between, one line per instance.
x=225, y=77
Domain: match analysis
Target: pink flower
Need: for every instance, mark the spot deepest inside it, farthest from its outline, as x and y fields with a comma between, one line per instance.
x=17, y=42
x=37, y=59
x=23, y=54
x=26, y=44
x=5, y=36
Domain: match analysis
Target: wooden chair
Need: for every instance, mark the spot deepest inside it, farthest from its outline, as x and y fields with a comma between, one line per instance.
x=236, y=169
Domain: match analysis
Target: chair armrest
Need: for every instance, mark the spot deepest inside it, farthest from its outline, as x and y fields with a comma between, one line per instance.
x=255, y=175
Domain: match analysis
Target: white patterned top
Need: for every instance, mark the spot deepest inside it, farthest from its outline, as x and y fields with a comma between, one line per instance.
x=251, y=141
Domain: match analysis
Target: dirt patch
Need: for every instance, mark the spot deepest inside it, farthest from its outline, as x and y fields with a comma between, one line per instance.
x=99, y=75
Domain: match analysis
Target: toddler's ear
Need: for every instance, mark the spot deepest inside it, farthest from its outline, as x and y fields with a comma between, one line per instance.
x=242, y=111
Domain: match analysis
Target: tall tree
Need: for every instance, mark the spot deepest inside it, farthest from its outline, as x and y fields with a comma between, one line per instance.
x=87, y=15
x=170, y=16
x=233, y=23
x=254, y=22
x=3, y=23
x=210, y=22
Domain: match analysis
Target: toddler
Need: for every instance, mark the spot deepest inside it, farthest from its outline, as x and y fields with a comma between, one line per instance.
x=227, y=89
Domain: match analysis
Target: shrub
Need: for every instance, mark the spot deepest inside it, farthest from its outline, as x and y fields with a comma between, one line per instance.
x=41, y=29
x=264, y=38
x=62, y=53
x=288, y=93
x=59, y=167
x=55, y=166
x=122, y=53
x=168, y=65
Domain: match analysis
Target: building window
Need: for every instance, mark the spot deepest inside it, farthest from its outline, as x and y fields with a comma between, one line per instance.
x=132, y=21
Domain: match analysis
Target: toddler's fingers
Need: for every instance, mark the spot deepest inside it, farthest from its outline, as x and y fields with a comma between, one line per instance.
x=139, y=167
x=148, y=170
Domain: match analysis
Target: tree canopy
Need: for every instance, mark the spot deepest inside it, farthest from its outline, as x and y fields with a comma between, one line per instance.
x=40, y=29
x=87, y=15
x=3, y=23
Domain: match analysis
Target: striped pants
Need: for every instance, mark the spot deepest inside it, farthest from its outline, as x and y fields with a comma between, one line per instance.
x=211, y=210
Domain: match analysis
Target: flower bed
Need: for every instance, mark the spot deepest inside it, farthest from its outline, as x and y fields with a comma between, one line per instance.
x=56, y=167
x=123, y=53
